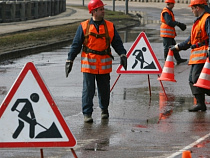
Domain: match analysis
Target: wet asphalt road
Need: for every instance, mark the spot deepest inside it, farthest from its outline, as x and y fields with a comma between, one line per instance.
x=139, y=126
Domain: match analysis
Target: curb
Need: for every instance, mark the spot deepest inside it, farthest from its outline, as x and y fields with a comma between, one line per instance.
x=48, y=47
x=33, y=50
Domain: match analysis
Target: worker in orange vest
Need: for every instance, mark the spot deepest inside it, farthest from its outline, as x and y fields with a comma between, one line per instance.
x=167, y=30
x=95, y=36
x=198, y=41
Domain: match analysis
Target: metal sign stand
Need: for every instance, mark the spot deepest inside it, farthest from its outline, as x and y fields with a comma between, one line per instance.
x=72, y=150
x=148, y=83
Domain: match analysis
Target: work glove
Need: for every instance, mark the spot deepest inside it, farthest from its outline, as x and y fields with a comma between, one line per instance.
x=68, y=67
x=174, y=47
x=182, y=26
x=123, y=61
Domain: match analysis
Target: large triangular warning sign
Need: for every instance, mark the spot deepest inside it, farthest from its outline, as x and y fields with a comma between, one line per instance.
x=29, y=116
x=141, y=58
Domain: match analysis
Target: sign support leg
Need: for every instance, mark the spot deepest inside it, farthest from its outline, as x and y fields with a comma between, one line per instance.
x=163, y=88
x=42, y=153
x=73, y=152
x=115, y=82
x=149, y=87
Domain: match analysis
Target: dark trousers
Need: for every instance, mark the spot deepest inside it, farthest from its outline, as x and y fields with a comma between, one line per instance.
x=168, y=42
x=103, y=86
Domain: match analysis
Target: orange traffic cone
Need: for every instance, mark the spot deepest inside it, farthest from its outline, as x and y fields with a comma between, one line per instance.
x=168, y=69
x=186, y=154
x=204, y=78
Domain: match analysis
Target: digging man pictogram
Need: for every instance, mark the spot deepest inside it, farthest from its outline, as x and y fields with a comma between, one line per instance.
x=140, y=58
x=23, y=115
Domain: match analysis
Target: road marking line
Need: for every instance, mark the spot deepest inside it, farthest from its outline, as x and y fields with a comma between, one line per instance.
x=189, y=146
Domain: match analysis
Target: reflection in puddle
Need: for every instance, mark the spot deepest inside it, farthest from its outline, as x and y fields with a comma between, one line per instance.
x=99, y=145
x=166, y=106
x=202, y=144
x=129, y=35
x=140, y=126
x=138, y=93
x=3, y=70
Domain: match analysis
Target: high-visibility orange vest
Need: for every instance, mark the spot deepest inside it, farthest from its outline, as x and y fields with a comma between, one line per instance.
x=166, y=30
x=93, y=62
x=198, y=35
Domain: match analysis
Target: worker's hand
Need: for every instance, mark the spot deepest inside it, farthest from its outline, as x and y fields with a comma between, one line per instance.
x=182, y=26
x=68, y=67
x=123, y=61
x=174, y=47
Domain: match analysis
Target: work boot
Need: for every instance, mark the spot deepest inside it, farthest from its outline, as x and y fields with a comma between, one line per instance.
x=180, y=61
x=197, y=108
x=201, y=106
x=104, y=114
x=88, y=118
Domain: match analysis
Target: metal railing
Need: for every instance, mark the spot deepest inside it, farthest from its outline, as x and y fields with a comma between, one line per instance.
x=11, y=11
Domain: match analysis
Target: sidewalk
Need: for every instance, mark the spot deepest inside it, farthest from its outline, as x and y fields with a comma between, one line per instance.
x=71, y=15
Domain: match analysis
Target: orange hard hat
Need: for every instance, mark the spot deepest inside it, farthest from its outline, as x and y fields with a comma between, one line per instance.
x=196, y=2
x=169, y=1
x=93, y=4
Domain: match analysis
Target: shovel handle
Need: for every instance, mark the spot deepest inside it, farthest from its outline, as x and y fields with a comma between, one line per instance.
x=41, y=125
x=36, y=122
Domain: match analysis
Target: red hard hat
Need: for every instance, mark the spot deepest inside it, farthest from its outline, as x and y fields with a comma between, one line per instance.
x=93, y=4
x=196, y=2
x=169, y=1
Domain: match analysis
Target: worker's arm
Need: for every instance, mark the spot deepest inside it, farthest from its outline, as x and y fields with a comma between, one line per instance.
x=117, y=44
x=172, y=23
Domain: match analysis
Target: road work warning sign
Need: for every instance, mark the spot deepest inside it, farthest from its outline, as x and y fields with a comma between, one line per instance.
x=29, y=116
x=141, y=58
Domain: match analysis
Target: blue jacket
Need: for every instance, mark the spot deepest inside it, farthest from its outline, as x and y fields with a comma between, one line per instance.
x=79, y=39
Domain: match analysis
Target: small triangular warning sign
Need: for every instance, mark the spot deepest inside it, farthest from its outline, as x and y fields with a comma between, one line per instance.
x=141, y=58
x=29, y=116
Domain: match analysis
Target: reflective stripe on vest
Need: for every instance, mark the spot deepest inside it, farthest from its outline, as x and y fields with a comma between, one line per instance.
x=95, y=63
x=106, y=60
x=88, y=66
x=198, y=56
x=86, y=60
x=166, y=30
x=89, y=60
x=106, y=67
x=198, y=34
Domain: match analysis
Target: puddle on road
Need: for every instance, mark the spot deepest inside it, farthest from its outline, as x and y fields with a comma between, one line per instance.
x=202, y=144
x=3, y=90
x=153, y=34
x=2, y=70
x=138, y=99
x=99, y=145
x=130, y=35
